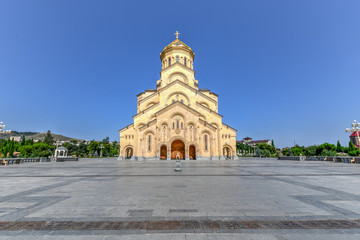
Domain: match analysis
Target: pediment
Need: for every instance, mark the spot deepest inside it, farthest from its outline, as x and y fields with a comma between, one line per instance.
x=177, y=104
x=188, y=87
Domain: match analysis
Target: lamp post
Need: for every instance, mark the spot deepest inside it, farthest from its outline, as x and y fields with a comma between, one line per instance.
x=101, y=148
x=355, y=128
x=2, y=126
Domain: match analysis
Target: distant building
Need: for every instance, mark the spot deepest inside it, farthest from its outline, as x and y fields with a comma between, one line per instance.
x=16, y=138
x=250, y=142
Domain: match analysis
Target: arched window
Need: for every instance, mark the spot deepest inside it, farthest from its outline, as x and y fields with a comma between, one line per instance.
x=182, y=125
x=177, y=124
x=177, y=59
x=206, y=142
x=149, y=143
x=185, y=61
x=169, y=62
x=173, y=125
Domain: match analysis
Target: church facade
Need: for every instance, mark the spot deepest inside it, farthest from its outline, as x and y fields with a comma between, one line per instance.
x=177, y=120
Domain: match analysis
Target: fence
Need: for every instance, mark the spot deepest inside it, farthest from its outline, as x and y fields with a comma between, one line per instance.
x=8, y=161
x=322, y=158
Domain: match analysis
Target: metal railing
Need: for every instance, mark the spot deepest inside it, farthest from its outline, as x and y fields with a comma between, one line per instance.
x=345, y=159
x=8, y=161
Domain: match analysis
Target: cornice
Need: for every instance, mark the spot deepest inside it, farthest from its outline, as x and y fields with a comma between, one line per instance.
x=208, y=109
x=206, y=124
x=127, y=127
x=146, y=109
x=148, y=97
x=229, y=127
x=149, y=124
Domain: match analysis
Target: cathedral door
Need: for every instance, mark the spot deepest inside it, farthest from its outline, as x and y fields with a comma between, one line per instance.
x=227, y=153
x=192, y=152
x=128, y=153
x=178, y=149
x=163, y=152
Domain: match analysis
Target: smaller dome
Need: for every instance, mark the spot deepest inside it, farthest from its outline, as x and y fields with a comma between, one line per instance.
x=61, y=148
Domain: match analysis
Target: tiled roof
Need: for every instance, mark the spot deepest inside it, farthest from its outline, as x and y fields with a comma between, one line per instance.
x=354, y=134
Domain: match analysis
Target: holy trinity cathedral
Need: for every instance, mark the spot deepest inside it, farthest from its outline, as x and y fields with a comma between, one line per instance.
x=177, y=120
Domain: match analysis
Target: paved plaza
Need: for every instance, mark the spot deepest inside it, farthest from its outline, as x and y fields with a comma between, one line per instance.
x=235, y=199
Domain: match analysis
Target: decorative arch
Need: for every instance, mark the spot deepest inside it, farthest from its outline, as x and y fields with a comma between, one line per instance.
x=163, y=150
x=139, y=125
x=206, y=131
x=150, y=104
x=164, y=123
x=215, y=124
x=128, y=151
x=193, y=155
x=149, y=131
x=204, y=104
x=178, y=149
x=177, y=122
x=177, y=113
x=149, y=140
x=206, y=140
x=181, y=94
x=202, y=116
x=190, y=123
x=227, y=151
x=177, y=76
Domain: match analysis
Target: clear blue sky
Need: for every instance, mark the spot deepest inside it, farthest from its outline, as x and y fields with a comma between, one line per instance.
x=284, y=70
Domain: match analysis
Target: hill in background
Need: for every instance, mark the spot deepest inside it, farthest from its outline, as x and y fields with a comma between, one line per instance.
x=36, y=136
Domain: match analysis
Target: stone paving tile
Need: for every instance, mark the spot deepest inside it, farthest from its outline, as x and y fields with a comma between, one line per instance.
x=116, y=192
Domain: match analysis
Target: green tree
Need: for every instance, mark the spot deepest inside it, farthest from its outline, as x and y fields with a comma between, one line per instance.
x=352, y=150
x=93, y=148
x=258, y=152
x=49, y=138
x=339, y=148
x=106, y=140
x=290, y=152
x=310, y=150
x=297, y=151
x=23, y=140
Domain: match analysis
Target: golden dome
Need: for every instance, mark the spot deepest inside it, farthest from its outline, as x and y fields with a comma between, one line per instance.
x=177, y=44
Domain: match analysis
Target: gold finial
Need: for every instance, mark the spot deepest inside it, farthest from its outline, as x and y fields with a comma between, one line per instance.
x=177, y=34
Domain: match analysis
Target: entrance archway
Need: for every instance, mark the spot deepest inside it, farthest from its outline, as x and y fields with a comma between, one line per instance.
x=128, y=153
x=163, y=152
x=192, y=152
x=177, y=149
x=227, y=153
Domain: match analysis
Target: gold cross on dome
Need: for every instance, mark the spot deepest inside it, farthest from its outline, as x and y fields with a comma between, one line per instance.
x=177, y=34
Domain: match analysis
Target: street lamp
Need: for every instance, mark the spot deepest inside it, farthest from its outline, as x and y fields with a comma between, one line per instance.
x=2, y=126
x=101, y=148
x=355, y=128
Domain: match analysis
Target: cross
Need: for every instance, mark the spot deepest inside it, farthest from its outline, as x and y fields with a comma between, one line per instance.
x=177, y=34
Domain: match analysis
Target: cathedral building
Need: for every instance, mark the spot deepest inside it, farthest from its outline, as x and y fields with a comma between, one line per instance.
x=177, y=120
